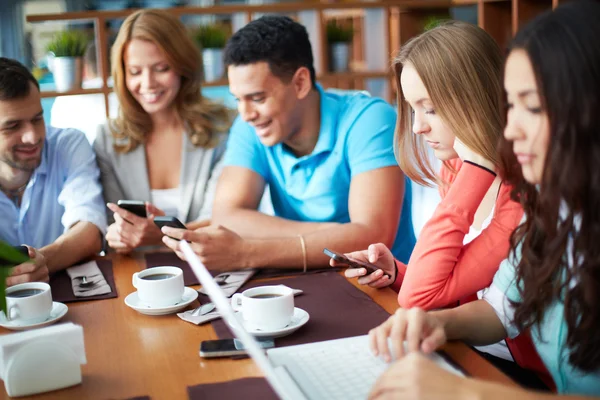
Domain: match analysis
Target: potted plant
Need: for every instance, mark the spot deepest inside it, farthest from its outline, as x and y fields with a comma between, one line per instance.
x=9, y=257
x=66, y=51
x=212, y=38
x=339, y=38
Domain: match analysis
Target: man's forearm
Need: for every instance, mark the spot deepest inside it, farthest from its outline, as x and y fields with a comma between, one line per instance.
x=287, y=252
x=475, y=323
x=254, y=224
x=82, y=241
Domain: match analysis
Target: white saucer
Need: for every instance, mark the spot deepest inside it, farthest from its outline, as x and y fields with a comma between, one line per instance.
x=58, y=311
x=133, y=301
x=299, y=318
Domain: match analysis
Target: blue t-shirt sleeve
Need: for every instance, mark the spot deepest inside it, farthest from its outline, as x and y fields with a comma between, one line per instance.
x=245, y=150
x=370, y=139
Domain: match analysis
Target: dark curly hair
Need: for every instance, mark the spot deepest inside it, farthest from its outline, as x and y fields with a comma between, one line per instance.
x=277, y=40
x=562, y=47
x=14, y=79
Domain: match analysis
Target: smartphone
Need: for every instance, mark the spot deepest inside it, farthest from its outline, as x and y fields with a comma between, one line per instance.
x=169, y=221
x=351, y=262
x=22, y=249
x=23, y=257
x=228, y=347
x=133, y=206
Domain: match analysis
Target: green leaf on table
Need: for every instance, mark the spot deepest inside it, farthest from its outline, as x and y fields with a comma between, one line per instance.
x=9, y=257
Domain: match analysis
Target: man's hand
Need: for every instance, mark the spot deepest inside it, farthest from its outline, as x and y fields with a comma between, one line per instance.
x=217, y=247
x=130, y=231
x=34, y=270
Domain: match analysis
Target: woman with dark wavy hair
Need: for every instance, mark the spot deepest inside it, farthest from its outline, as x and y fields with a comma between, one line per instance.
x=550, y=284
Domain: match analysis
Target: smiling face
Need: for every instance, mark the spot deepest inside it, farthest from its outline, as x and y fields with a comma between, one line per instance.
x=426, y=121
x=149, y=77
x=22, y=132
x=265, y=102
x=527, y=124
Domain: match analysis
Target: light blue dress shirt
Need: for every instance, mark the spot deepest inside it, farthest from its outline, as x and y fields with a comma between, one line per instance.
x=357, y=135
x=63, y=190
x=549, y=337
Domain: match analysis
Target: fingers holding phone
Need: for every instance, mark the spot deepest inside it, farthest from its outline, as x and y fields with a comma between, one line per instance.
x=133, y=226
x=374, y=267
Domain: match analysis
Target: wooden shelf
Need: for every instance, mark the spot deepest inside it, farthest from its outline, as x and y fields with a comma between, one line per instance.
x=403, y=20
x=264, y=8
x=51, y=93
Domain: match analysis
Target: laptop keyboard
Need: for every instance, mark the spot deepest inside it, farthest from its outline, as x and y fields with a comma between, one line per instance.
x=343, y=369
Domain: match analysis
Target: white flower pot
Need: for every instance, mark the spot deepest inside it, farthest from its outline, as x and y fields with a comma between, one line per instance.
x=340, y=56
x=67, y=73
x=212, y=64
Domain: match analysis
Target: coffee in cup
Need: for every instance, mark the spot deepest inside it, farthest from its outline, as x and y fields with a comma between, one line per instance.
x=265, y=307
x=29, y=302
x=159, y=286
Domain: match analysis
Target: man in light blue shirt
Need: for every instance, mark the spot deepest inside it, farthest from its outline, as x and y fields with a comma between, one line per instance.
x=50, y=195
x=327, y=158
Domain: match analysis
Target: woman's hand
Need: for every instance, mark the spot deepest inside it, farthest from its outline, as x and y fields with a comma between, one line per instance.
x=466, y=154
x=423, y=331
x=377, y=254
x=130, y=231
x=417, y=377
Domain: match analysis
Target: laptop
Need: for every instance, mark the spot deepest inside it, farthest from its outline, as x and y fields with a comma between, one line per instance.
x=333, y=369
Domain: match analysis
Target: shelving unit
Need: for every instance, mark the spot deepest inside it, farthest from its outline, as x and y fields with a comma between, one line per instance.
x=400, y=20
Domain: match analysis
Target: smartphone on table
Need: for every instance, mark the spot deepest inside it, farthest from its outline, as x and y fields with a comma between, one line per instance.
x=133, y=206
x=351, y=262
x=228, y=347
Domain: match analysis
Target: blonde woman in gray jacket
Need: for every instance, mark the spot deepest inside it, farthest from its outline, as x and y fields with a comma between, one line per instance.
x=165, y=147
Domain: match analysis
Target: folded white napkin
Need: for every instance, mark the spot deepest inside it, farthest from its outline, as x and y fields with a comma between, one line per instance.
x=96, y=283
x=69, y=334
x=231, y=281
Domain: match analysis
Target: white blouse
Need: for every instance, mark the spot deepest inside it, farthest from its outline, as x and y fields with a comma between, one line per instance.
x=168, y=200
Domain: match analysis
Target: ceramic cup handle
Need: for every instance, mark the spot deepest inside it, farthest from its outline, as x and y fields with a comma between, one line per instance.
x=9, y=312
x=134, y=279
x=236, y=301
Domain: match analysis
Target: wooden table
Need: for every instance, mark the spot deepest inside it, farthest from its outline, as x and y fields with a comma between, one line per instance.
x=130, y=354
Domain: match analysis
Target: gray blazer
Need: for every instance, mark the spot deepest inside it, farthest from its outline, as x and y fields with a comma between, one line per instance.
x=125, y=176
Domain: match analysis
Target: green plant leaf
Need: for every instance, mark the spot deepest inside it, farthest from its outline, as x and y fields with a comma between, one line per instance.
x=9, y=257
x=69, y=44
x=211, y=36
x=338, y=33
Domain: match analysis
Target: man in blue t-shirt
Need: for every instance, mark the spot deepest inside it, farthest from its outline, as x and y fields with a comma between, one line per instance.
x=327, y=159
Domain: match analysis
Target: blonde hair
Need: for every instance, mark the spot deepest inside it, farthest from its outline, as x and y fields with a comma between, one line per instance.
x=461, y=68
x=205, y=121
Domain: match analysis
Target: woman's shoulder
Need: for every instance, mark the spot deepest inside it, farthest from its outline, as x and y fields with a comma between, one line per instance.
x=105, y=139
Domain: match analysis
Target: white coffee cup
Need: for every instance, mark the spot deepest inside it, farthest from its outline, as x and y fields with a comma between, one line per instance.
x=265, y=307
x=159, y=286
x=29, y=302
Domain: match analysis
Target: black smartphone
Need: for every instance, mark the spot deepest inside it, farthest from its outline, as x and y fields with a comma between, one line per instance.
x=22, y=249
x=133, y=206
x=15, y=260
x=169, y=221
x=351, y=262
x=228, y=347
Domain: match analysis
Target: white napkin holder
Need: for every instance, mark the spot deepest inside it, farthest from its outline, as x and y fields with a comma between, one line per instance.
x=42, y=360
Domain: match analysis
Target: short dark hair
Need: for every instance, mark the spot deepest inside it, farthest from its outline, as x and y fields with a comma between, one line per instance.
x=277, y=40
x=14, y=79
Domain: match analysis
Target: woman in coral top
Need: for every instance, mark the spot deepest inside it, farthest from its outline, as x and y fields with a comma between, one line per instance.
x=451, y=101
